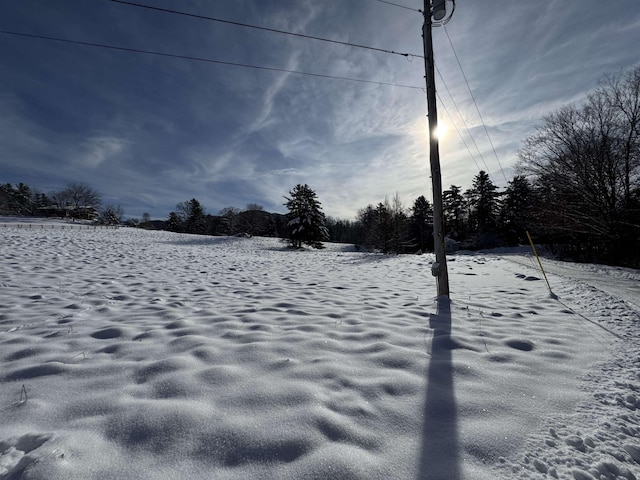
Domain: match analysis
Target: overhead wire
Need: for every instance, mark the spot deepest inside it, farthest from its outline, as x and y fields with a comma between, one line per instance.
x=488, y=170
x=459, y=132
x=311, y=37
x=476, y=104
x=268, y=29
x=466, y=128
x=207, y=60
x=400, y=6
x=276, y=69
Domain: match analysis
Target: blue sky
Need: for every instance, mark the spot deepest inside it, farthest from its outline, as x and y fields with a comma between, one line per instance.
x=149, y=131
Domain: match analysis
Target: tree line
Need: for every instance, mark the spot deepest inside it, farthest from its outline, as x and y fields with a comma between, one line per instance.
x=584, y=162
x=77, y=202
x=577, y=190
x=304, y=224
x=191, y=217
x=480, y=217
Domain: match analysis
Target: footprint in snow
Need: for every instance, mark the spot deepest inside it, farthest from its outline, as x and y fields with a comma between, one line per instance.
x=14, y=454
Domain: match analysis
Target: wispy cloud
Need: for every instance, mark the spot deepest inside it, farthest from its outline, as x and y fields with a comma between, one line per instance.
x=150, y=132
x=94, y=152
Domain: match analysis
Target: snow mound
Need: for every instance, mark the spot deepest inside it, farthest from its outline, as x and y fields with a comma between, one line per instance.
x=155, y=355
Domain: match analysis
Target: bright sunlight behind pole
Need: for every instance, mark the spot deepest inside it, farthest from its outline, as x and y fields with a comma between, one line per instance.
x=441, y=131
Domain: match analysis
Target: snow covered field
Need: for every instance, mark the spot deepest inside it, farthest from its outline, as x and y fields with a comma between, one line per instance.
x=151, y=355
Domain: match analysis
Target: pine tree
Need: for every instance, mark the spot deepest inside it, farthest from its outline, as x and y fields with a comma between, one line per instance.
x=384, y=224
x=24, y=199
x=191, y=217
x=483, y=201
x=368, y=220
x=453, y=206
x=516, y=209
x=306, y=222
x=422, y=223
x=229, y=219
x=6, y=199
x=174, y=223
x=111, y=215
x=196, y=219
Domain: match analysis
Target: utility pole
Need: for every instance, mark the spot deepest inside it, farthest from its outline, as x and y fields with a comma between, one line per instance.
x=437, y=10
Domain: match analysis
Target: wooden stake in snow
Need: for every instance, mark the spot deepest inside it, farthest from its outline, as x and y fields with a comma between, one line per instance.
x=540, y=263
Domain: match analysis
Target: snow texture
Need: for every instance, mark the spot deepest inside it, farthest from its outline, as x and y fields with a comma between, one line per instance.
x=127, y=354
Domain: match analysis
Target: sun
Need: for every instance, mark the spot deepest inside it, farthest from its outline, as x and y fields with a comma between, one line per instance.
x=441, y=131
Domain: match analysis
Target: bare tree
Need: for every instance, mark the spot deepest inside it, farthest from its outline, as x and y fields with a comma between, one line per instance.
x=81, y=201
x=82, y=196
x=400, y=222
x=585, y=163
x=572, y=154
x=59, y=199
x=622, y=91
x=183, y=210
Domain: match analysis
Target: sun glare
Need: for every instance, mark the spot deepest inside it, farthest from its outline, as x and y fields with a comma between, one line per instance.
x=441, y=131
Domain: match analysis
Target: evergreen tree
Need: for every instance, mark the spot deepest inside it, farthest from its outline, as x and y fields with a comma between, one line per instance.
x=174, y=223
x=483, y=202
x=213, y=224
x=453, y=209
x=306, y=222
x=384, y=227
x=343, y=231
x=368, y=221
x=21, y=200
x=111, y=215
x=24, y=202
x=256, y=222
x=7, y=196
x=41, y=200
x=422, y=224
x=191, y=217
x=229, y=219
x=516, y=210
x=195, y=222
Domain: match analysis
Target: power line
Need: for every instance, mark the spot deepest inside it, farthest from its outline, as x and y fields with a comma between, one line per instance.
x=476, y=104
x=459, y=133
x=267, y=29
x=466, y=128
x=457, y=109
x=400, y=6
x=207, y=60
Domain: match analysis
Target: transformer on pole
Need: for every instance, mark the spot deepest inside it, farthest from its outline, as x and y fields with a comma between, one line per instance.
x=434, y=15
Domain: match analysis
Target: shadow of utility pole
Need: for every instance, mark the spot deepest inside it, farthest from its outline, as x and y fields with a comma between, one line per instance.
x=439, y=456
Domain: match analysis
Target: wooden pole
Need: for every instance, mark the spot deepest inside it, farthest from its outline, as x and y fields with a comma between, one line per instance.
x=439, y=268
